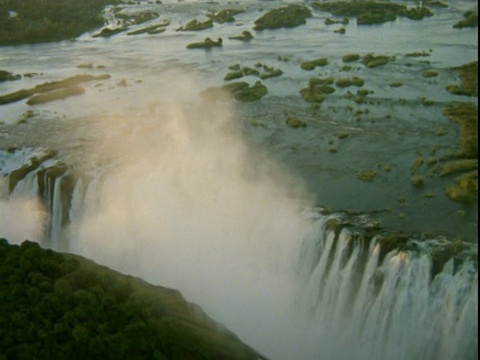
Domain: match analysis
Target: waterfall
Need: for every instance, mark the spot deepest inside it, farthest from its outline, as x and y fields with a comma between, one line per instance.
x=365, y=307
x=351, y=295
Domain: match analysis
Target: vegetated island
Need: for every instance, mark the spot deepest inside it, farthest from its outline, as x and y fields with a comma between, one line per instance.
x=63, y=306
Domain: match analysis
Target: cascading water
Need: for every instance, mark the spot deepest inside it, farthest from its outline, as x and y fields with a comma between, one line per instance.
x=195, y=215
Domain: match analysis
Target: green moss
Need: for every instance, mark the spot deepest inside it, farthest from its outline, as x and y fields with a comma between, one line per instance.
x=342, y=135
x=368, y=175
x=312, y=64
x=284, y=17
x=340, y=31
x=350, y=57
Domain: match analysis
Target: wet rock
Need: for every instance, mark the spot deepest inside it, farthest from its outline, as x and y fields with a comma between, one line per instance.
x=340, y=31
x=372, y=61
x=284, y=17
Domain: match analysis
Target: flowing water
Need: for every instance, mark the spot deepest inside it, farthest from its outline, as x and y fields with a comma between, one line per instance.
x=219, y=200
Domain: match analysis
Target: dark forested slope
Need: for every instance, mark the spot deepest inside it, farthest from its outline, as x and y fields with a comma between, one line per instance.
x=61, y=306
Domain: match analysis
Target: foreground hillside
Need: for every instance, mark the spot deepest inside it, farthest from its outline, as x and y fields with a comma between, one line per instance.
x=59, y=306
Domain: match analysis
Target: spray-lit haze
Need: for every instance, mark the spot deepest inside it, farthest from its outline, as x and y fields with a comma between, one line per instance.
x=187, y=204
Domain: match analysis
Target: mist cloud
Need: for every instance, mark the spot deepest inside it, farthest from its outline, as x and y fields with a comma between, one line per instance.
x=188, y=204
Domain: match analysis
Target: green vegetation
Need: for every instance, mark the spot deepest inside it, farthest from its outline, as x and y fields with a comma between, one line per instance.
x=195, y=25
x=350, y=57
x=372, y=12
x=317, y=89
x=56, y=95
x=48, y=20
x=244, y=36
x=251, y=93
x=372, y=61
x=59, y=306
x=466, y=115
x=368, y=175
x=417, y=180
x=469, y=78
x=465, y=188
x=346, y=82
x=206, y=44
x=429, y=73
x=343, y=21
x=312, y=64
x=224, y=92
x=8, y=76
x=470, y=19
x=263, y=72
x=151, y=30
x=295, y=122
x=284, y=17
x=225, y=15
x=69, y=83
